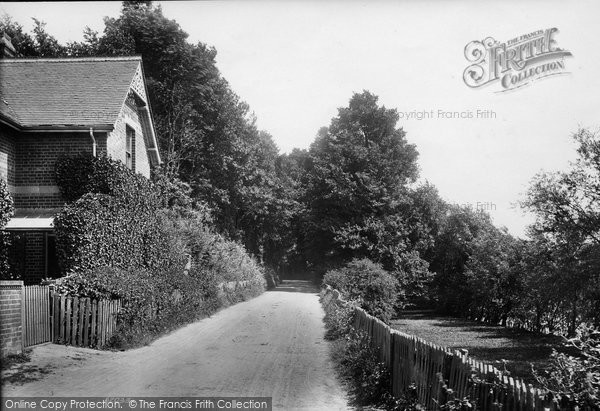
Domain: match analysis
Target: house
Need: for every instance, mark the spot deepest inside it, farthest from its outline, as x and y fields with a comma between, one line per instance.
x=50, y=108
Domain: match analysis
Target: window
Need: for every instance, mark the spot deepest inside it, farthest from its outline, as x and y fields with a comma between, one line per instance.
x=129, y=145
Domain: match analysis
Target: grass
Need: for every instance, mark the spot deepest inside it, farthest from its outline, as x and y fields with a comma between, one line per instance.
x=517, y=349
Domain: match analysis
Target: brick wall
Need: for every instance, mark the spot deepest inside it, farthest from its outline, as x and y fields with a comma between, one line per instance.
x=116, y=141
x=52, y=200
x=37, y=154
x=34, y=184
x=11, y=327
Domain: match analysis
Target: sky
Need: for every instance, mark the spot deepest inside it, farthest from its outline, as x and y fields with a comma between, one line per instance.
x=296, y=62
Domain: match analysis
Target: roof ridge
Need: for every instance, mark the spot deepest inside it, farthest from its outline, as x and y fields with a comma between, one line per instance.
x=70, y=59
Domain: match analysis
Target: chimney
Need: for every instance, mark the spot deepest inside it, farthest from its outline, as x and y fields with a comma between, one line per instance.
x=7, y=50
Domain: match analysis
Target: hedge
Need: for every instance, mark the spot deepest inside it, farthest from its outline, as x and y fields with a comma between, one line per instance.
x=102, y=230
x=119, y=241
x=83, y=174
x=211, y=252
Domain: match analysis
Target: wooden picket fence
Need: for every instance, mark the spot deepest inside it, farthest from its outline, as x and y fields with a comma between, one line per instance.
x=83, y=322
x=432, y=370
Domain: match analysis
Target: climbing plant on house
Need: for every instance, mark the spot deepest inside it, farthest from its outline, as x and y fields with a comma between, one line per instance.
x=6, y=212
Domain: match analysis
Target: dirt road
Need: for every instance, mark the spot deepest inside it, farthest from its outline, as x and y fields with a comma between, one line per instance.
x=270, y=346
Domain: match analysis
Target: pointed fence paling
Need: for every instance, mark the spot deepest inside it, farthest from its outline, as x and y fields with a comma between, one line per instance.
x=432, y=369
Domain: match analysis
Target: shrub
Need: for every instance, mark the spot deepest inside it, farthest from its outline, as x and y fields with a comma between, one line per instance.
x=353, y=352
x=228, y=260
x=6, y=204
x=368, y=283
x=372, y=379
x=123, y=238
x=83, y=174
x=6, y=212
x=173, y=192
x=140, y=257
x=102, y=230
x=575, y=381
x=338, y=321
x=170, y=302
x=151, y=304
x=114, y=219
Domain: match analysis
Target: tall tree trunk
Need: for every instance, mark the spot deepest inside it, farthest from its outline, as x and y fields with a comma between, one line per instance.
x=572, y=327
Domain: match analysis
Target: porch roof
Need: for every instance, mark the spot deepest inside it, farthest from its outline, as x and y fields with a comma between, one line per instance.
x=32, y=220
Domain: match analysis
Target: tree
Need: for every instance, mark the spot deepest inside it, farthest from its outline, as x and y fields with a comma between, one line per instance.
x=493, y=283
x=27, y=45
x=291, y=170
x=88, y=47
x=358, y=173
x=46, y=45
x=454, y=246
x=567, y=204
x=567, y=209
x=359, y=200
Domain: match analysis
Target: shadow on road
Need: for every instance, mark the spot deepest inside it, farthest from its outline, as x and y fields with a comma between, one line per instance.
x=297, y=286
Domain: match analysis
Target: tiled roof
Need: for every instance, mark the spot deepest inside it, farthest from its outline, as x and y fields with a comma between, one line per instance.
x=65, y=92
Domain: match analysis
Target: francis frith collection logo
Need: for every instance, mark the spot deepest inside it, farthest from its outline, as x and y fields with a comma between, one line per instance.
x=514, y=63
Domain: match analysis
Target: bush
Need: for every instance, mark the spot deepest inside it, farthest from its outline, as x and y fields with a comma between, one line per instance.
x=369, y=284
x=171, y=301
x=114, y=219
x=338, y=321
x=372, y=379
x=6, y=204
x=117, y=241
x=6, y=212
x=102, y=230
x=83, y=174
x=157, y=295
x=228, y=260
x=173, y=192
x=353, y=352
x=575, y=381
